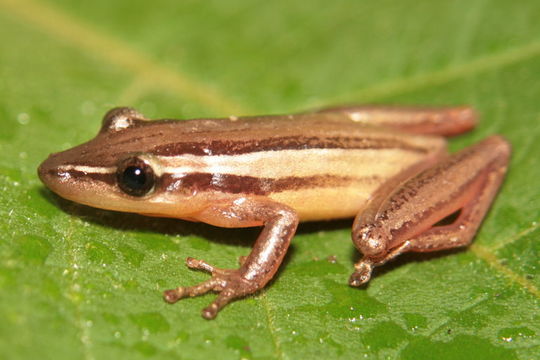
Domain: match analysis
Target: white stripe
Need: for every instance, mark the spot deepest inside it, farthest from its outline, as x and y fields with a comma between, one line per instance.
x=88, y=169
x=271, y=164
x=308, y=162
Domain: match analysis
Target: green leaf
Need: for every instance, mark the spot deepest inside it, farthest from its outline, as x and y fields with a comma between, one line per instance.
x=77, y=282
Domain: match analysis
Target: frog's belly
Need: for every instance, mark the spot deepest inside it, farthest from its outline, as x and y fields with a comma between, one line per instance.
x=326, y=203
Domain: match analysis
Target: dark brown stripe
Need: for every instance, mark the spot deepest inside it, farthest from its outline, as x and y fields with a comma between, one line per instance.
x=235, y=184
x=226, y=183
x=235, y=147
x=109, y=179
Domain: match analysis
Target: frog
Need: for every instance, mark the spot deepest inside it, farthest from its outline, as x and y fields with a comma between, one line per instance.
x=387, y=167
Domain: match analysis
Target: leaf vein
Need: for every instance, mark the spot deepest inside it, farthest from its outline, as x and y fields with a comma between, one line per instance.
x=72, y=296
x=535, y=225
x=271, y=326
x=445, y=75
x=490, y=258
x=81, y=35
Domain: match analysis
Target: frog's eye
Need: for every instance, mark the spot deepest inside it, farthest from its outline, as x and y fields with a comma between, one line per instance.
x=135, y=177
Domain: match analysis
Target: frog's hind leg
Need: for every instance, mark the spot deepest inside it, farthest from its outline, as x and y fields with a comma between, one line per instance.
x=445, y=121
x=466, y=184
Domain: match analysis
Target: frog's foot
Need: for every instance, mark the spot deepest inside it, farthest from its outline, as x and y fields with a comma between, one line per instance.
x=362, y=272
x=227, y=282
x=364, y=268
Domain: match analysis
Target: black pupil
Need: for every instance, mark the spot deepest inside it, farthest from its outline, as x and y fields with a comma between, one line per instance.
x=134, y=178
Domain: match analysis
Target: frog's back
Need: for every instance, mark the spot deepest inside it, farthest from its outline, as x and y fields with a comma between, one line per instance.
x=324, y=167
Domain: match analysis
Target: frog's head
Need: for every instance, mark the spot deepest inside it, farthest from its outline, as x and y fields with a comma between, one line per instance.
x=119, y=169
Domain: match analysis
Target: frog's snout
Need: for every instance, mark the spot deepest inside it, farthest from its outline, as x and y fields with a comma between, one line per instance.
x=57, y=175
x=48, y=170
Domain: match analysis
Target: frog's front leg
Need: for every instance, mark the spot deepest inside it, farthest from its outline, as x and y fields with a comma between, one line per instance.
x=258, y=267
x=407, y=220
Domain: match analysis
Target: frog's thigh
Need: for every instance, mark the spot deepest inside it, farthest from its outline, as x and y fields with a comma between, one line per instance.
x=482, y=191
x=462, y=230
x=467, y=182
x=408, y=220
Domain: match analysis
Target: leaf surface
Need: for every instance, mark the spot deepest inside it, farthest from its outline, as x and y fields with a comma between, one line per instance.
x=77, y=282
